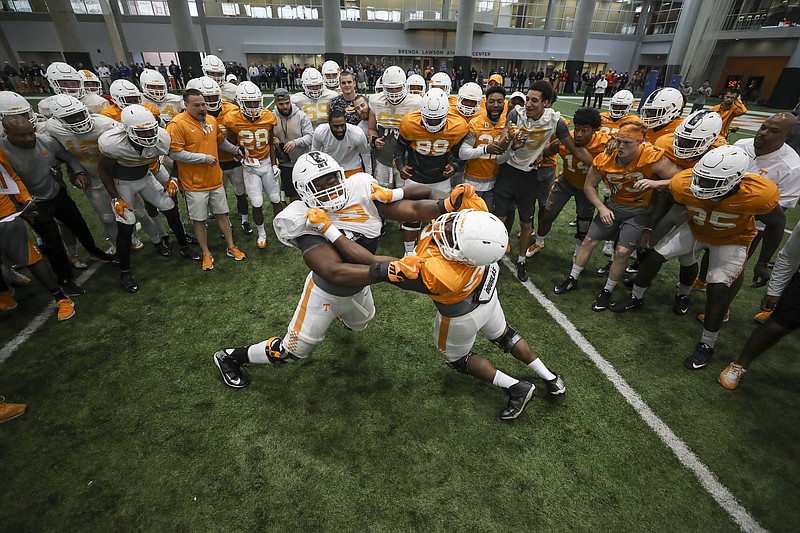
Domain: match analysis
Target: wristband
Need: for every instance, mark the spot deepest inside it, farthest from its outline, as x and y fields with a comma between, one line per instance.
x=397, y=195
x=379, y=271
x=332, y=233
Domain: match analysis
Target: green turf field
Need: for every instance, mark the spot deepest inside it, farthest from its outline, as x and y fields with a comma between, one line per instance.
x=130, y=428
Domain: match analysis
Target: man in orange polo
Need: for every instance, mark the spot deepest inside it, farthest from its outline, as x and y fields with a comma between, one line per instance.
x=196, y=139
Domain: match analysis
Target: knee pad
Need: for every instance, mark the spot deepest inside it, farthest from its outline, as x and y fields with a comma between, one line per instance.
x=411, y=226
x=460, y=365
x=508, y=340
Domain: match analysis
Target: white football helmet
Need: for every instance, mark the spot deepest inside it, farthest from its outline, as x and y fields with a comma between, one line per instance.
x=12, y=103
x=153, y=85
x=210, y=89
x=312, y=82
x=469, y=92
x=331, y=71
x=394, y=85
x=620, y=104
x=213, y=67
x=140, y=125
x=471, y=237
x=91, y=83
x=379, y=85
x=72, y=113
x=662, y=107
x=124, y=93
x=718, y=172
x=311, y=168
x=442, y=81
x=415, y=84
x=434, y=109
x=64, y=79
x=249, y=99
x=696, y=134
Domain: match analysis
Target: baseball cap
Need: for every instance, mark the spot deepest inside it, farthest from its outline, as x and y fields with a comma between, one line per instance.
x=497, y=78
x=281, y=94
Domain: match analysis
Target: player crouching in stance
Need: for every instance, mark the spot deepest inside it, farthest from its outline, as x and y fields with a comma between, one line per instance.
x=456, y=266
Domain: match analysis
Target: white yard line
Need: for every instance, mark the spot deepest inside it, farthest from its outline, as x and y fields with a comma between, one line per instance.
x=39, y=320
x=687, y=458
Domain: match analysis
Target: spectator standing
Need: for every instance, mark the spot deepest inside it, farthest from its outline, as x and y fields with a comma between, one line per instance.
x=600, y=86
x=702, y=93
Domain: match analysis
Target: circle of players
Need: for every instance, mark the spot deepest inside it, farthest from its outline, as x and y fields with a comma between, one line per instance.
x=411, y=152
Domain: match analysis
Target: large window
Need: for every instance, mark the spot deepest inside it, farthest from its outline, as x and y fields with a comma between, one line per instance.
x=530, y=14
x=664, y=17
x=87, y=6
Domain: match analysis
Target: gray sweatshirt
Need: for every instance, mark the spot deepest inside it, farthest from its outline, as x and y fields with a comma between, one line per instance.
x=296, y=127
x=33, y=165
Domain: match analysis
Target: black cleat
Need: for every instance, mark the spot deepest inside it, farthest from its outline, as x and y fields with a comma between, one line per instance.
x=603, y=271
x=190, y=253
x=247, y=229
x=602, y=301
x=681, y=305
x=71, y=288
x=522, y=272
x=567, y=285
x=163, y=247
x=555, y=387
x=633, y=268
x=519, y=395
x=100, y=255
x=703, y=353
x=190, y=239
x=231, y=370
x=127, y=282
x=628, y=304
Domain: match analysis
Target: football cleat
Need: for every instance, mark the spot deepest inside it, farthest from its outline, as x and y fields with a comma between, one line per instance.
x=262, y=242
x=698, y=285
x=231, y=370
x=702, y=317
x=573, y=223
x=603, y=271
x=534, y=249
x=127, y=282
x=71, y=288
x=608, y=248
x=163, y=247
x=519, y=395
x=703, y=353
x=628, y=304
x=731, y=375
x=236, y=253
x=633, y=268
x=208, y=262
x=105, y=257
x=602, y=301
x=681, y=305
x=77, y=262
x=247, y=229
x=136, y=242
x=66, y=309
x=567, y=285
x=763, y=316
x=7, y=301
x=522, y=272
x=555, y=387
x=9, y=411
x=13, y=277
x=190, y=253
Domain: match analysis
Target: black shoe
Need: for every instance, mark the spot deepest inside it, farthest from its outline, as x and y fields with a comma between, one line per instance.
x=573, y=223
x=633, y=268
x=71, y=288
x=702, y=355
x=519, y=395
x=100, y=255
x=163, y=247
x=555, y=386
x=522, y=272
x=602, y=301
x=604, y=270
x=190, y=253
x=127, y=282
x=190, y=239
x=628, y=304
x=231, y=370
x=247, y=229
x=681, y=305
x=629, y=282
x=567, y=285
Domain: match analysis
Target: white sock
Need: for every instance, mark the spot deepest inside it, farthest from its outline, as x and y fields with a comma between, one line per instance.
x=261, y=231
x=683, y=290
x=503, y=380
x=541, y=370
x=539, y=240
x=245, y=218
x=576, y=271
x=709, y=337
x=257, y=353
x=610, y=284
x=409, y=246
x=521, y=259
x=638, y=292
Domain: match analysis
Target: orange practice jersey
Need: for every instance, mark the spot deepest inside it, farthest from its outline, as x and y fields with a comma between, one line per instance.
x=485, y=167
x=652, y=135
x=735, y=110
x=730, y=221
x=227, y=107
x=610, y=125
x=620, y=180
x=115, y=112
x=187, y=134
x=253, y=135
x=430, y=152
x=448, y=282
x=666, y=143
x=575, y=170
x=550, y=160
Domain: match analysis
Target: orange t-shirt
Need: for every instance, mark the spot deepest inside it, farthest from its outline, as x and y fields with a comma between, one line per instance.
x=252, y=134
x=485, y=167
x=735, y=110
x=730, y=221
x=187, y=134
x=620, y=180
x=426, y=143
x=575, y=171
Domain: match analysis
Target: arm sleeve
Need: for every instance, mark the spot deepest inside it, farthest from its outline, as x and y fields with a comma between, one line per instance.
x=562, y=130
x=227, y=146
x=192, y=158
x=380, y=271
x=468, y=150
x=399, y=156
x=786, y=265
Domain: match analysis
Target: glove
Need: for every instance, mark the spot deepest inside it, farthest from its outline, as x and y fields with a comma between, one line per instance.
x=171, y=187
x=453, y=203
x=384, y=195
x=317, y=219
x=405, y=269
x=276, y=171
x=120, y=206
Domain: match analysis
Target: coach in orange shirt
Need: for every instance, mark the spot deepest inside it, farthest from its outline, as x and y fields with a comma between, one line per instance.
x=196, y=139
